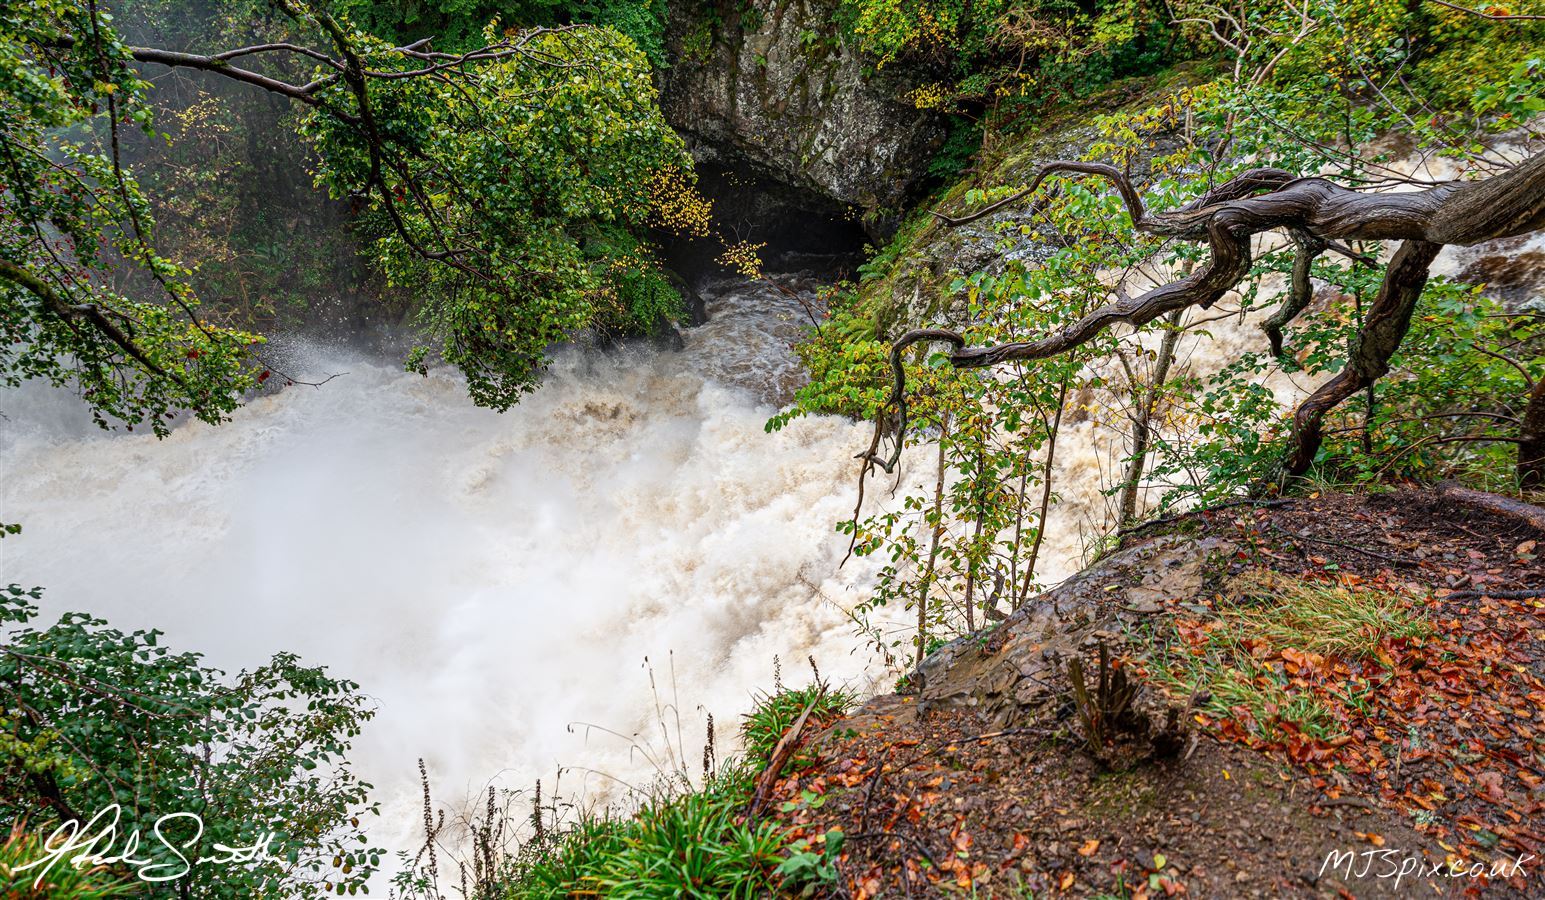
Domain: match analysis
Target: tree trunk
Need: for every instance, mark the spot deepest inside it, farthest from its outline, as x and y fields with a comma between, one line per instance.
x=933, y=549
x=1388, y=320
x=976, y=537
x=1531, y=441
x=1040, y=525
x=1127, y=508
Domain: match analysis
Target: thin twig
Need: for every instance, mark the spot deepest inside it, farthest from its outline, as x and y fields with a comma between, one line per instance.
x=1329, y=543
x=1492, y=17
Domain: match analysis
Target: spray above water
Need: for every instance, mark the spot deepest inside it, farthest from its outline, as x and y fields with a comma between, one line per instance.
x=488, y=579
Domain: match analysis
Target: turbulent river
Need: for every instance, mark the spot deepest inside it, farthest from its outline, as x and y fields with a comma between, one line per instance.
x=488, y=579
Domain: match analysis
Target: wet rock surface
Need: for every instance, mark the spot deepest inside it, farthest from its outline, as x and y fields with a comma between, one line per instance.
x=772, y=86
x=1010, y=674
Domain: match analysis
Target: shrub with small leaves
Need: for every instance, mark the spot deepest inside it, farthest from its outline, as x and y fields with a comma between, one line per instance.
x=92, y=716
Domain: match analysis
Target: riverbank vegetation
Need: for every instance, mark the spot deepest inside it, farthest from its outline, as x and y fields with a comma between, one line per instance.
x=712, y=833
x=1376, y=96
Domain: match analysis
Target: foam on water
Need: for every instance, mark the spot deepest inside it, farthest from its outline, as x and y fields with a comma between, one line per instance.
x=487, y=578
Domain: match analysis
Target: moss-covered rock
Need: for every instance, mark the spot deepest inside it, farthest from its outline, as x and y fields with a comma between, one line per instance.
x=908, y=283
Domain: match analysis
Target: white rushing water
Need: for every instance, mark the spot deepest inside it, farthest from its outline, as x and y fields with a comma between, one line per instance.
x=490, y=579
x=487, y=578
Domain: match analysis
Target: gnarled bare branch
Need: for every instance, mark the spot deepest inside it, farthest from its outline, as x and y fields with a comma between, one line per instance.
x=1318, y=214
x=898, y=398
x=1300, y=290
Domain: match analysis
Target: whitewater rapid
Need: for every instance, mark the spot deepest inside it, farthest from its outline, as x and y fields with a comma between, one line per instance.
x=488, y=579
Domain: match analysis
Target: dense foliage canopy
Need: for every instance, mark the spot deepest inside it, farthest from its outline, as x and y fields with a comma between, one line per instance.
x=508, y=184
x=71, y=214
x=508, y=195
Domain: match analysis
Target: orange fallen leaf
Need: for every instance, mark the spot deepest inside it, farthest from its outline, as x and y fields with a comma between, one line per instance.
x=1089, y=847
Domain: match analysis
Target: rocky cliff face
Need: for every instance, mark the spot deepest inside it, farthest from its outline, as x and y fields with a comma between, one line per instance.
x=771, y=86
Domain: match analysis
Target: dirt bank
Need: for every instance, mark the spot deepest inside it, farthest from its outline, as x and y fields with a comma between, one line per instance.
x=1339, y=674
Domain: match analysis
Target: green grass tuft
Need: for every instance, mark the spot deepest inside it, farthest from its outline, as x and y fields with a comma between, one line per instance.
x=1319, y=617
x=774, y=714
x=1274, y=613
x=676, y=845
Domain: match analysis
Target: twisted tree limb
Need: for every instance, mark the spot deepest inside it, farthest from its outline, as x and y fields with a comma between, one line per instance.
x=1300, y=291
x=1383, y=330
x=898, y=397
x=1317, y=213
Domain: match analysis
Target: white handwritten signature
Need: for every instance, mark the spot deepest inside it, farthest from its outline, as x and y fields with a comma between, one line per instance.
x=90, y=845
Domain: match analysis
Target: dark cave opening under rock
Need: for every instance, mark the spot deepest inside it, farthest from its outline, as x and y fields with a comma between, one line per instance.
x=802, y=231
